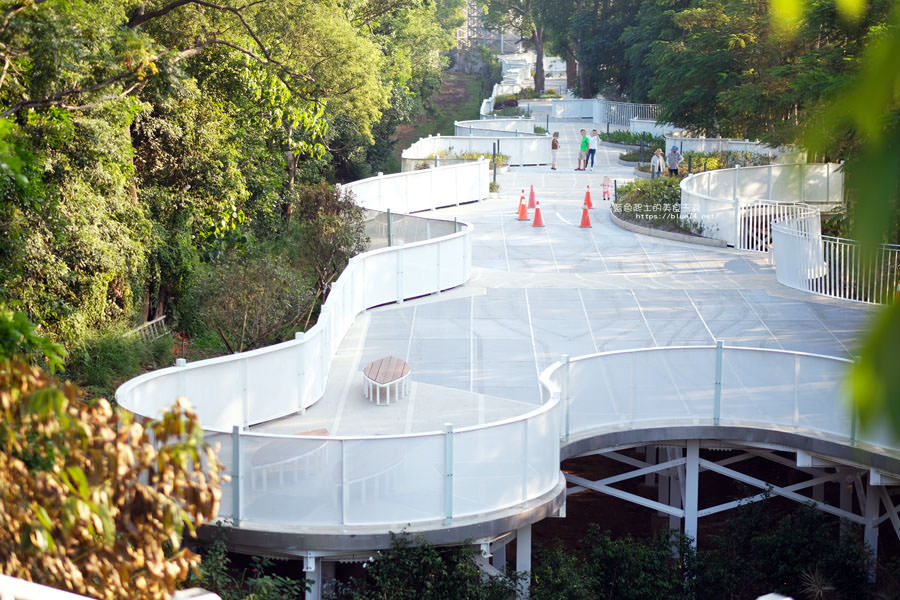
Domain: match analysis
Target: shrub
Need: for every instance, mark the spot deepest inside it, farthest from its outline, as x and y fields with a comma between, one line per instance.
x=104, y=359
x=254, y=300
x=92, y=502
x=654, y=203
x=634, y=139
x=414, y=569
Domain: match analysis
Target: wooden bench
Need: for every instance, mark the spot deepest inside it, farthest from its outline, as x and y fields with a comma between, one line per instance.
x=384, y=373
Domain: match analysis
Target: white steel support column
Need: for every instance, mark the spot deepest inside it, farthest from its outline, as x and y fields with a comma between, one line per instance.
x=676, y=487
x=312, y=569
x=691, y=489
x=498, y=558
x=870, y=530
x=523, y=559
x=846, y=500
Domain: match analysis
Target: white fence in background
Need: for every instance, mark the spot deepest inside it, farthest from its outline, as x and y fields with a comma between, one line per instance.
x=688, y=144
x=531, y=150
x=715, y=198
x=506, y=126
x=264, y=384
x=831, y=266
x=755, y=222
x=425, y=189
x=598, y=110
x=651, y=127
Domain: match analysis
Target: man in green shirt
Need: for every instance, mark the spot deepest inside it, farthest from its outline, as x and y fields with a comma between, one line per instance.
x=582, y=154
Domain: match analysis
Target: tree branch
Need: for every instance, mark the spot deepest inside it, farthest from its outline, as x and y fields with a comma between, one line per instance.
x=58, y=98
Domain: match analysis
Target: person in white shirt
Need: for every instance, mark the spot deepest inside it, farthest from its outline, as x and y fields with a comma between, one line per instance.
x=657, y=163
x=592, y=148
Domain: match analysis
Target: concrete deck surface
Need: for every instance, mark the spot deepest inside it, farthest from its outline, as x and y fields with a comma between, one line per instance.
x=538, y=293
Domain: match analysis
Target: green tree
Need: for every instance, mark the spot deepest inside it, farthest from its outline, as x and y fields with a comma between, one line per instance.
x=528, y=18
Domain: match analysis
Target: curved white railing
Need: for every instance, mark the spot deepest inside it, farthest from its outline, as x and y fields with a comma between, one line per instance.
x=832, y=266
x=430, y=479
x=505, y=127
x=256, y=386
x=687, y=144
x=657, y=387
x=715, y=198
x=425, y=189
x=531, y=150
x=391, y=481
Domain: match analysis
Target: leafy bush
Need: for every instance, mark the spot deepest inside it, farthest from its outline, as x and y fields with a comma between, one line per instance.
x=633, y=139
x=654, y=203
x=217, y=575
x=92, y=502
x=493, y=186
x=539, y=129
x=505, y=102
x=415, y=570
x=104, y=359
x=254, y=300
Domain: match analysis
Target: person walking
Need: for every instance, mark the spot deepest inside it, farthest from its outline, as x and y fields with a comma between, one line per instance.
x=583, y=151
x=592, y=148
x=672, y=159
x=657, y=163
x=554, y=149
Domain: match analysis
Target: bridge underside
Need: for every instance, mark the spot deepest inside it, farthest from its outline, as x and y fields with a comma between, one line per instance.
x=849, y=483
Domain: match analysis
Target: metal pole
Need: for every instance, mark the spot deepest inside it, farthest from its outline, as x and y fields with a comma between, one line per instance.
x=717, y=398
x=448, y=473
x=691, y=490
x=564, y=396
x=390, y=235
x=236, y=475
x=494, y=161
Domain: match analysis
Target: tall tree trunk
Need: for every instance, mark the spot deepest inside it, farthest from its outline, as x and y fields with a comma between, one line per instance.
x=537, y=38
x=290, y=164
x=571, y=70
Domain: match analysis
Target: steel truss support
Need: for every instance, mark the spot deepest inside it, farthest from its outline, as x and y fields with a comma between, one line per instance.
x=678, y=481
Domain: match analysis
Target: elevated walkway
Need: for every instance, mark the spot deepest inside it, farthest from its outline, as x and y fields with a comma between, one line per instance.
x=474, y=453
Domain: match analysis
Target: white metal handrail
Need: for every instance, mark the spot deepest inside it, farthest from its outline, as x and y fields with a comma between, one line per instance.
x=714, y=198
x=267, y=383
x=835, y=267
x=381, y=481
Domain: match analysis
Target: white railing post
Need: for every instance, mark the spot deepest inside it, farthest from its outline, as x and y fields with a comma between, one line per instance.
x=717, y=393
x=236, y=475
x=564, y=396
x=448, y=473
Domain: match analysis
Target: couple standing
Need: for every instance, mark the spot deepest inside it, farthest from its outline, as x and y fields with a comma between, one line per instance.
x=588, y=149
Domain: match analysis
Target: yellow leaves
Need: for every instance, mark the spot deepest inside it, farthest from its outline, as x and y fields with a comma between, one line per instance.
x=95, y=518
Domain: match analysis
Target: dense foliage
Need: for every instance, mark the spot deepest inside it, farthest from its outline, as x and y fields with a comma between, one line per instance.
x=799, y=555
x=91, y=501
x=144, y=141
x=415, y=570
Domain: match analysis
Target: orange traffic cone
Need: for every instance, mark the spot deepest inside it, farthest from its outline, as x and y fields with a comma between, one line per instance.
x=523, y=212
x=538, y=219
x=587, y=198
x=530, y=197
x=585, y=217
x=606, y=187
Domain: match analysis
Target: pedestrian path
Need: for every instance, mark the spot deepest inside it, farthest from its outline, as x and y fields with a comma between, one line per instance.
x=539, y=293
